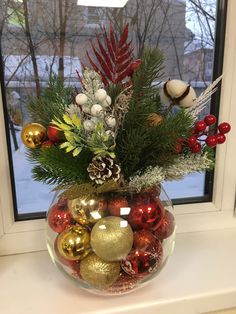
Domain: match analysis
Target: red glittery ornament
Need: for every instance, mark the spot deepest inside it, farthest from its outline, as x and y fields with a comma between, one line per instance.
x=146, y=216
x=53, y=134
x=123, y=284
x=149, y=196
x=118, y=206
x=75, y=266
x=63, y=203
x=58, y=219
x=167, y=226
x=47, y=144
x=143, y=262
x=143, y=239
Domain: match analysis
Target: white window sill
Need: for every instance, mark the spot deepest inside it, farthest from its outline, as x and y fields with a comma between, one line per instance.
x=200, y=277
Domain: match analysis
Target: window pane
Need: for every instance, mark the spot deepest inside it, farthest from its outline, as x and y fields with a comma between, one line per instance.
x=34, y=46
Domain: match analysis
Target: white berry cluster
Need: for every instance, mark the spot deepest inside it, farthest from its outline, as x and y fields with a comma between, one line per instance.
x=95, y=104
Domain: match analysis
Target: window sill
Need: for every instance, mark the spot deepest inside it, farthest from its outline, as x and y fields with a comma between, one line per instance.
x=200, y=277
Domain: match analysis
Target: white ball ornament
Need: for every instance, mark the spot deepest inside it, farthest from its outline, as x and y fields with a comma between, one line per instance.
x=81, y=99
x=179, y=92
x=107, y=102
x=89, y=125
x=110, y=121
x=100, y=95
x=97, y=110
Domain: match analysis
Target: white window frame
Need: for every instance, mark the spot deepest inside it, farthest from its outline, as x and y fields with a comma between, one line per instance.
x=26, y=236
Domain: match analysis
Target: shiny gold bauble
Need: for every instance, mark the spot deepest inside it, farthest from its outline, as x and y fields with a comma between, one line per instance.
x=33, y=135
x=98, y=273
x=112, y=238
x=87, y=211
x=74, y=243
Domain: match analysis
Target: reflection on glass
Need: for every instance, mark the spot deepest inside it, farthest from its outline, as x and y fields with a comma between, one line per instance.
x=35, y=46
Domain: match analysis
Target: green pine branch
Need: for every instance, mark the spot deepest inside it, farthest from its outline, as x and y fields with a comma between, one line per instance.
x=54, y=166
x=148, y=74
x=54, y=99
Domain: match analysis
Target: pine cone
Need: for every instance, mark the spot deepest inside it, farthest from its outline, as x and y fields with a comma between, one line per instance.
x=102, y=169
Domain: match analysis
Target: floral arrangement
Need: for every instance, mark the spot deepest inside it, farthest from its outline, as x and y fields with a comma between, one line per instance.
x=124, y=132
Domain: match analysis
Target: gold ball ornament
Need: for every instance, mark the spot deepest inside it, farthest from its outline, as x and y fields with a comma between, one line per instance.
x=87, y=211
x=33, y=135
x=112, y=238
x=98, y=273
x=74, y=243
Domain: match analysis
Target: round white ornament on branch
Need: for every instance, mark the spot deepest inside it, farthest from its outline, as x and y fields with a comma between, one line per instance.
x=97, y=110
x=81, y=99
x=110, y=121
x=100, y=95
x=107, y=102
x=89, y=125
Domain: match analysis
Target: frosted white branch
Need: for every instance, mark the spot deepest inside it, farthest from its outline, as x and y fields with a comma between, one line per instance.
x=203, y=99
x=183, y=165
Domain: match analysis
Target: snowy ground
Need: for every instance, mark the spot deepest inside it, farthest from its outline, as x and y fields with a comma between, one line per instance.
x=35, y=197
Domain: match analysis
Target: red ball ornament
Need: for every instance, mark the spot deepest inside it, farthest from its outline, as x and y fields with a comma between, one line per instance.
x=47, y=144
x=63, y=203
x=200, y=126
x=75, y=266
x=167, y=226
x=146, y=216
x=224, y=127
x=210, y=119
x=192, y=141
x=54, y=134
x=143, y=262
x=143, y=239
x=211, y=140
x=220, y=138
x=118, y=206
x=58, y=219
x=196, y=149
x=123, y=284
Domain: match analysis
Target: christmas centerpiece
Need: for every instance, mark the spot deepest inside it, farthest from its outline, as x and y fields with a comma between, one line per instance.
x=106, y=150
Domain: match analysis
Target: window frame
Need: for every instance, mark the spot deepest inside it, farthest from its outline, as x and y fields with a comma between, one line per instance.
x=27, y=236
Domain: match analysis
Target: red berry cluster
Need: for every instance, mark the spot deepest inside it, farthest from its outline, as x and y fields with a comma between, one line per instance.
x=202, y=128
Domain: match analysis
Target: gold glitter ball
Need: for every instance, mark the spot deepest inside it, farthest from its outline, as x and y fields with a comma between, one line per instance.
x=112, y=238
x=74, y=243
x=98, y=273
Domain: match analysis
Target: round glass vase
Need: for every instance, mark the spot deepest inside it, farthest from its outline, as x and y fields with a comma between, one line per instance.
x=112, y=243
